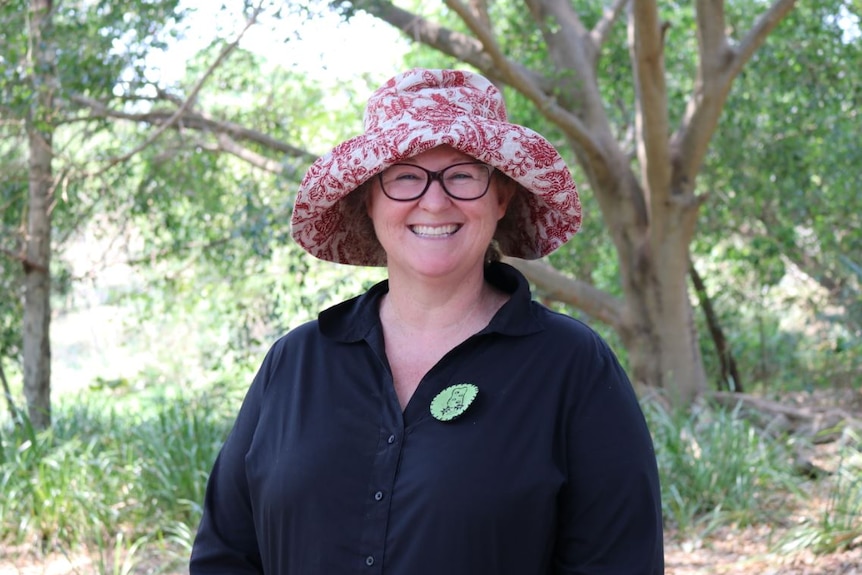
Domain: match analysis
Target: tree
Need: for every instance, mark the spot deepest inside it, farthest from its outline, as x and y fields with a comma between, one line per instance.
x=37, y=260
x=647, y=192
x=136, y=154
x=635, y=100
x=43, y=63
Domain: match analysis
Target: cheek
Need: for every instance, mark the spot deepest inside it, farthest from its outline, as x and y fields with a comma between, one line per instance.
x=375, y=206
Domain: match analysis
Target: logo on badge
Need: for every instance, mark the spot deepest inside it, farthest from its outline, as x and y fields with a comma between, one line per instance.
x=453, y=401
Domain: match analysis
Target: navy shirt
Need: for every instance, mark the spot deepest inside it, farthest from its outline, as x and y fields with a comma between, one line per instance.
x=550, y=470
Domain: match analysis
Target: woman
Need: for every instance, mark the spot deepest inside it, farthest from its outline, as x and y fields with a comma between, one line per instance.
x=442, y=422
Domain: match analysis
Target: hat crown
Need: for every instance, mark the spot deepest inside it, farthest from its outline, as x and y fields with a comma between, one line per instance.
x=426, y=93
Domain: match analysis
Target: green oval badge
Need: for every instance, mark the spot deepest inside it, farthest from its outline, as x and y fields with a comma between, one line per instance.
x=453, y=401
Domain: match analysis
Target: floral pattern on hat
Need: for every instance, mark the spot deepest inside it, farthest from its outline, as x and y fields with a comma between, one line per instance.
x=415, y=112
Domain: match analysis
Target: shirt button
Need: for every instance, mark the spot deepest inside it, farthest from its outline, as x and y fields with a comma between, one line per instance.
x=391, y=439
x=369, y=560
x=378, y=496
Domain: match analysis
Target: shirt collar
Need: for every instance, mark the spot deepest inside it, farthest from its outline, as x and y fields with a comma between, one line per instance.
x=354, y=319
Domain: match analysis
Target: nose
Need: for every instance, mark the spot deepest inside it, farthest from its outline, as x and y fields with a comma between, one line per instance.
x=435, y=198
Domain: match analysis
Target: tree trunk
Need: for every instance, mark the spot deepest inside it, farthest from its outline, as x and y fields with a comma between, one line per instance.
x=658, y=330
x=37, y=281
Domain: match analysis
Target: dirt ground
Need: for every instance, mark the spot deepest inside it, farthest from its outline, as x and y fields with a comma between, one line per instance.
x=748, y=552
x=726, y=552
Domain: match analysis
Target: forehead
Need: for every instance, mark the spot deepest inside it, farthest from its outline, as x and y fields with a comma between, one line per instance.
x=440, y=155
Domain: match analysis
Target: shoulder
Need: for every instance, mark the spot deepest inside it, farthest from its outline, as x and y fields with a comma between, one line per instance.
x=295, y=343
x=568, y=331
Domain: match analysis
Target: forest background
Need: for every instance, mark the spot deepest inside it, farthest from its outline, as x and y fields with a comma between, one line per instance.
x=150, y=154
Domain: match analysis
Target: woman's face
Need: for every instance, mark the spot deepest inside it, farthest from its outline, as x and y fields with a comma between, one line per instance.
x=437, y=235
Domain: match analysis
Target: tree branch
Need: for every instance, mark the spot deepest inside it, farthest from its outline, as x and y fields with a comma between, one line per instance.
x=761, y=29
x=712, y=39
x=569, y=43
x=227, y=144
x=466, y=49
x=483, y=33
x=28, y=264
x=730, y=378
x=602, y=30
x=189, y=99
x=195, y=121
x=720, y=64
x=651, y=120
x=579, y=294
x=486, y=56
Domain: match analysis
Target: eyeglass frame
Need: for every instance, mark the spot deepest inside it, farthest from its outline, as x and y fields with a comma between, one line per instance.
x=433, y=176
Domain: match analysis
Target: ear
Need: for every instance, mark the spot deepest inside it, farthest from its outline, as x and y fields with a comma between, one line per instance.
x=506, y=188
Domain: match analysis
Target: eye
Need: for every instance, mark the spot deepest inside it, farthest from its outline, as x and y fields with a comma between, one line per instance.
x=465, y=173
x=404, y=174
x=407, y=176
x=461, y=175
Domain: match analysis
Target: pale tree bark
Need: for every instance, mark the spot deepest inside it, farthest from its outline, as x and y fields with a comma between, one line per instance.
x=41, y=122
x=652, y=213
x=37, y=275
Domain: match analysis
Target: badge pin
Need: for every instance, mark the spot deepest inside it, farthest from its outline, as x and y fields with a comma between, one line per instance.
x=453, y=401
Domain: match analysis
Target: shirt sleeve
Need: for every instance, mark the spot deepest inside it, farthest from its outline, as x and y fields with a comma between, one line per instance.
x=610, y=509
x=226, y=540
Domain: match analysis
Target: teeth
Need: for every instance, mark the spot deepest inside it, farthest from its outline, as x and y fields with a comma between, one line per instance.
x=434, y=230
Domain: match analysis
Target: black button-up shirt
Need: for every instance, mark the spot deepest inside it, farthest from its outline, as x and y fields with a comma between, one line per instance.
x=550, y=470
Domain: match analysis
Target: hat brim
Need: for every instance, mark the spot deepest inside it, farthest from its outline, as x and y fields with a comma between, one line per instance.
x=546, y=215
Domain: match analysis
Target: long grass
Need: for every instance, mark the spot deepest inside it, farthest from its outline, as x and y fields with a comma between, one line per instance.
x=717, y=469
x=126, y=484
x=839, y=525
x=110, y=482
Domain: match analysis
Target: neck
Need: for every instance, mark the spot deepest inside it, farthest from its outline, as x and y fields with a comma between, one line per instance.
x=424, y=305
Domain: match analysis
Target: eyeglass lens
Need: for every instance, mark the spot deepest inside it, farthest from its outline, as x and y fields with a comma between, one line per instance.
x=464, y=181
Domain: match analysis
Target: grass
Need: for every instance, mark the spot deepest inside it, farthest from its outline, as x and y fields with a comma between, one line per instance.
x=838, y=527
x=717, y=469
x=109, y=481
x=126, y=483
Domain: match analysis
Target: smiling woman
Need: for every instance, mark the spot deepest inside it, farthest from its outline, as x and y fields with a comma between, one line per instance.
x=443, y=421
x=426, y=232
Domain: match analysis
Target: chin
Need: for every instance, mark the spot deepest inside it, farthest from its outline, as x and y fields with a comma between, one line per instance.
x=441, y=267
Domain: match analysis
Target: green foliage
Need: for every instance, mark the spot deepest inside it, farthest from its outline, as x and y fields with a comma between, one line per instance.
x=778, y=343
x=839, y=527
x=96, y=47
x=781, y=169
x=111, y=479
x=717, y=469
x=11, y=277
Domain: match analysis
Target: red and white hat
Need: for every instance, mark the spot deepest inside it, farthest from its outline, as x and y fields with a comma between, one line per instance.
x=414, y=112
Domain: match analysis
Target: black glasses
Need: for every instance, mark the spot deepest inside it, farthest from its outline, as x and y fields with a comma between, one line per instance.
x=465, y=181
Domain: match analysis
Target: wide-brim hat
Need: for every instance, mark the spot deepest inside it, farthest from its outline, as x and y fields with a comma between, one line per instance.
x=414, y=112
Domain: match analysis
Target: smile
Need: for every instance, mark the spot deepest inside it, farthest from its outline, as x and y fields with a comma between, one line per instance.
x=435, y=231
